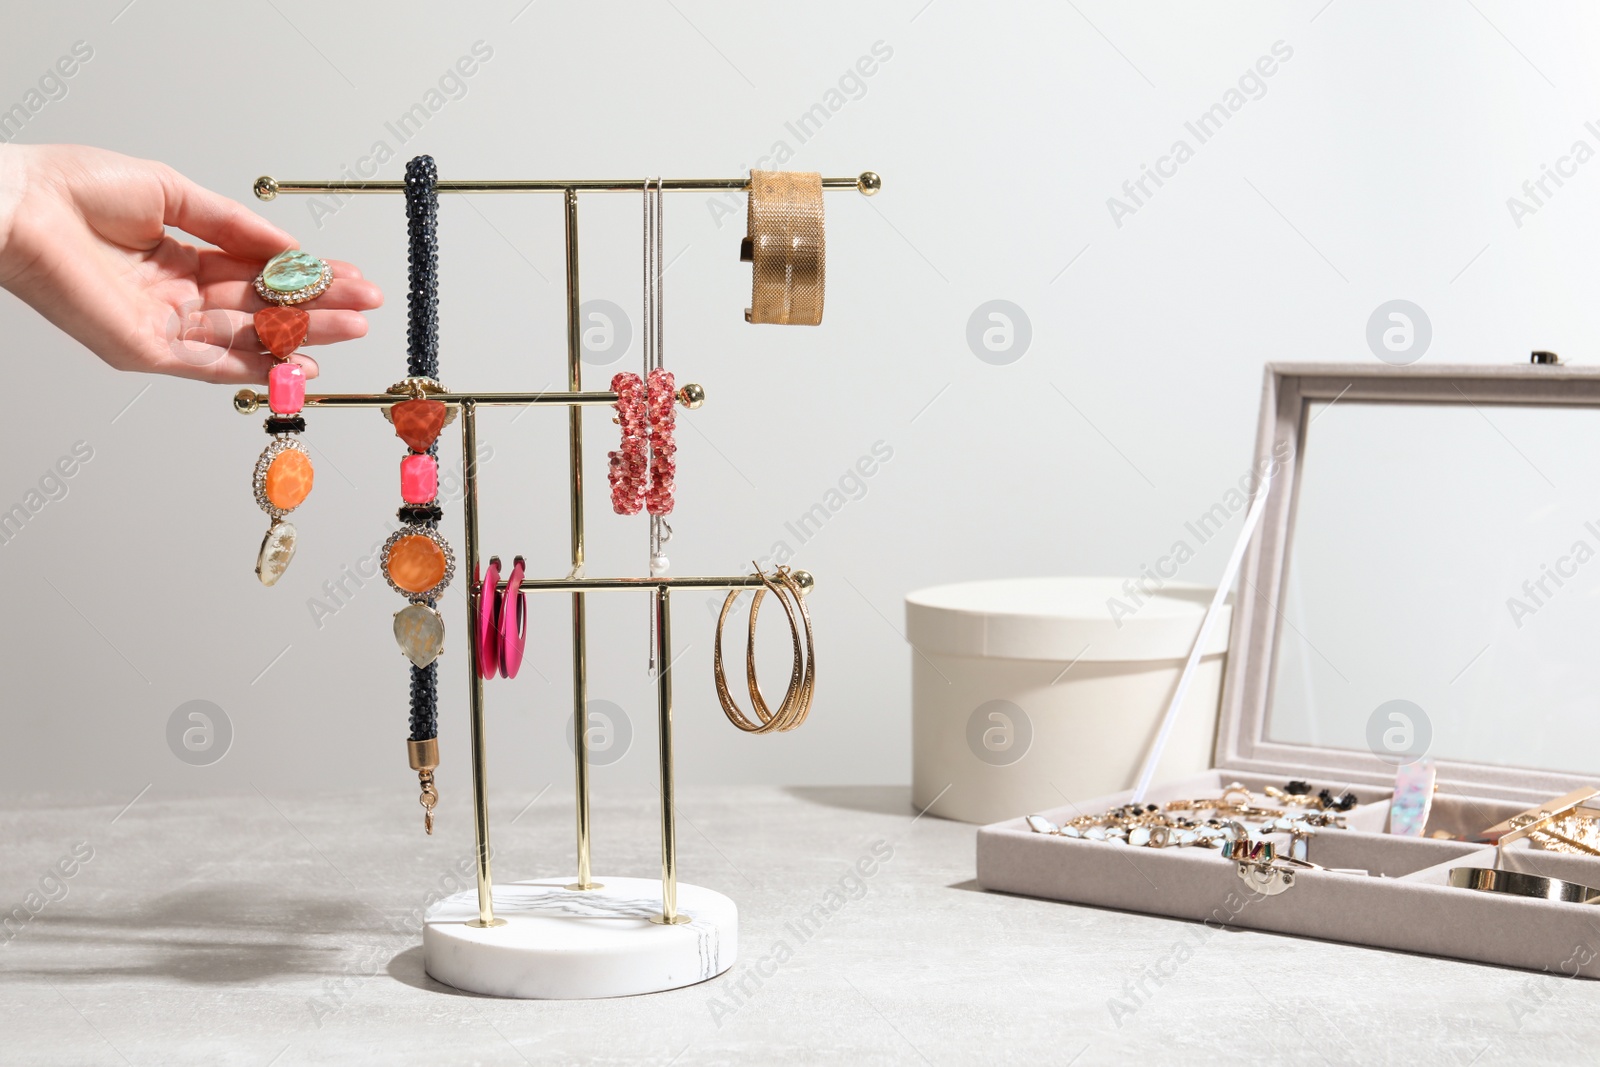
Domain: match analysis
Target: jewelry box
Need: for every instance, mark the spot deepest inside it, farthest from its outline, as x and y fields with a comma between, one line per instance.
x=1422, y=594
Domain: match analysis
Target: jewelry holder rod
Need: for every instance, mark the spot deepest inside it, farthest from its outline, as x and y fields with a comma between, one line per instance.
x=545, y=585
x=480, y=785
x=488, y=400
x=669, y=836
x=267, y=188
x=580, y=627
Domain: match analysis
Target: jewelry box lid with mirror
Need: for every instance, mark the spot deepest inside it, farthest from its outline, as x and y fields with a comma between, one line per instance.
x=1423, y=591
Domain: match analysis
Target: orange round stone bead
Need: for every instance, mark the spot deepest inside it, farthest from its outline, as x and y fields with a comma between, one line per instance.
x=289, y=479
x=416, y=563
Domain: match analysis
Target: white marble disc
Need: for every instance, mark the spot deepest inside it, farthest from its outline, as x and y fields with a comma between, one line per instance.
x=564, y=944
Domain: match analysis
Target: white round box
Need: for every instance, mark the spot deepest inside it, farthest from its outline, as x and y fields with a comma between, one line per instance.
x=1034, y=693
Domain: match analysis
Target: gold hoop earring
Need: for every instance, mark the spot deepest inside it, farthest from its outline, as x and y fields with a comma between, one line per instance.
x=780, y=716
x=796, y=703
x=802, y=704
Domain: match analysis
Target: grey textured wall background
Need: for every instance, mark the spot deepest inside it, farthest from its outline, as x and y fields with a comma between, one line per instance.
x=1374, y=163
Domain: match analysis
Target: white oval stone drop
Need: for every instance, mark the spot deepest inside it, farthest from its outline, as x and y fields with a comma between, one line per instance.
x=419, y=630
x=277, y=549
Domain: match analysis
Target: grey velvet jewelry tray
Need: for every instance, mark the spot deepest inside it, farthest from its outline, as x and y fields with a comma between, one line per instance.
x=1403, y=903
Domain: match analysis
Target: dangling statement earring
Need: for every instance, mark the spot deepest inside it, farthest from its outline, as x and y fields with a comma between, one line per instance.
x=413, y=567
x=283, y=475
x=660, y=391
x=417, y=561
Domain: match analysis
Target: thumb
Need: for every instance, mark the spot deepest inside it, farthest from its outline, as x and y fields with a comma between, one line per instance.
x=220, y=221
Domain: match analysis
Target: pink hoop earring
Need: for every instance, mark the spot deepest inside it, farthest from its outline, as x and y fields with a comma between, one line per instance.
x=513, y=622
x=663, y=449
x=487, y=634
x=630, y=464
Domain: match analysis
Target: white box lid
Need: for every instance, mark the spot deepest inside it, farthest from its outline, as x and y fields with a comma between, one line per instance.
x=1097, y=620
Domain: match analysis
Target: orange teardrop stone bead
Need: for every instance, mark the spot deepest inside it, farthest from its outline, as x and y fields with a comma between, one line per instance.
x=416, y=563
x=289, y=479
x=418, y=422
x=282, y=329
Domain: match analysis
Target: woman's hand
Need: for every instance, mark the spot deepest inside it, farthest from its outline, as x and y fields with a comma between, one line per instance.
x=83, y=240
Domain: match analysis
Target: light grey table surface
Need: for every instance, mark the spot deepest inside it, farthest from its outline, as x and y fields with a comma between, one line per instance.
x=274, y=929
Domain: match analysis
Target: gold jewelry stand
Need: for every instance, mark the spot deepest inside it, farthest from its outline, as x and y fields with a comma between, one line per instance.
x=574, y=400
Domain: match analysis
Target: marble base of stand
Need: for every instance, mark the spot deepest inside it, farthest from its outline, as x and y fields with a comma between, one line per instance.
x=563, y=944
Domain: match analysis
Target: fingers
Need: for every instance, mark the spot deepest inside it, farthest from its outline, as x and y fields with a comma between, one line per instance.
x=218, y=266
x=221, y=366
x=218, y=220
x=229, y=282
x=329, y=327
x=355, y=294
x=230, y=329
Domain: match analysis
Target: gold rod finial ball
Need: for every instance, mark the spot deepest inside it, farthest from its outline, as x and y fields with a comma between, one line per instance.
x=246, y=401
x=804, y=582
x=692, y=395
x=868, y=183
x=266, y=187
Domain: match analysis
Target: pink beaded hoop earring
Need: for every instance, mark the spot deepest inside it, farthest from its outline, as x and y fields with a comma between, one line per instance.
x=663, y=464
x=629, y=466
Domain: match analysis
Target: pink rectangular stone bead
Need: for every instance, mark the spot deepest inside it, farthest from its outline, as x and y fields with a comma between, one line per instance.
x=286, y=388
x=419, y=479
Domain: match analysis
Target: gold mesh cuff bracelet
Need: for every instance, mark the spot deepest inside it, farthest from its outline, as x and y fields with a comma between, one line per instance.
x=786, y=248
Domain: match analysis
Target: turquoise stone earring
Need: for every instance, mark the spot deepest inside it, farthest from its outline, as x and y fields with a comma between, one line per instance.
x=293, y=277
